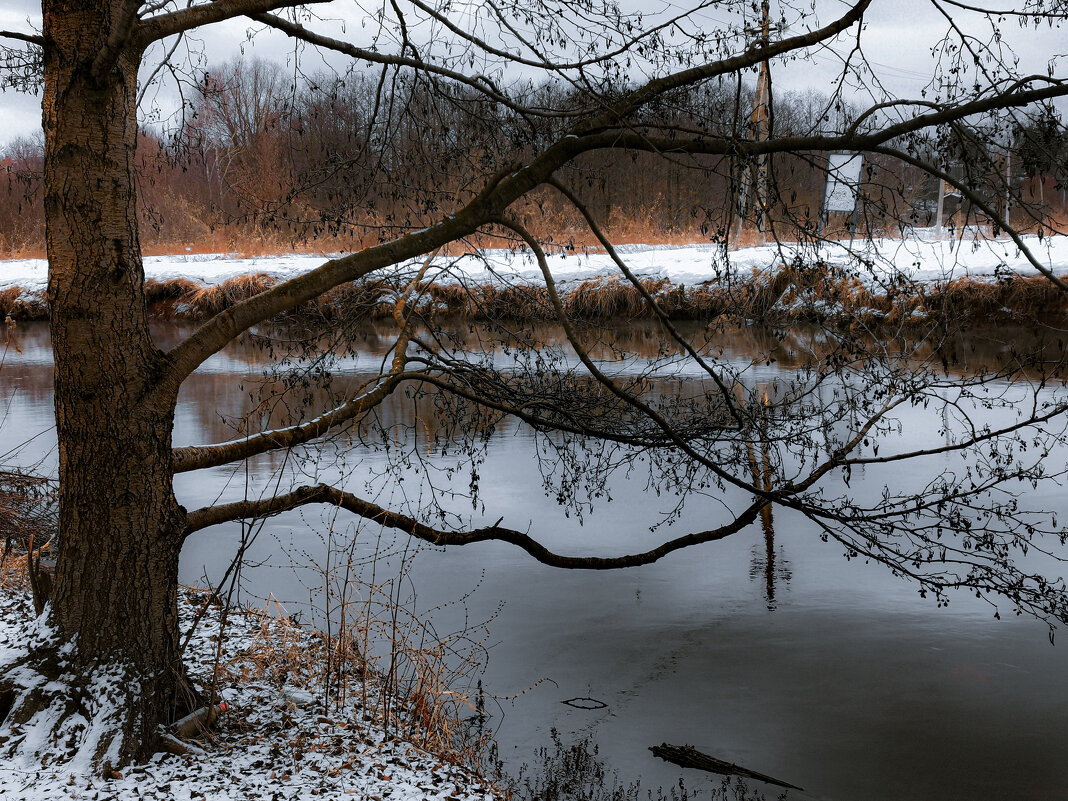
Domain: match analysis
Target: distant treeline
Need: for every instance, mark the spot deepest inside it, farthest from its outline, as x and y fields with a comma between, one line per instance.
x=263, y=163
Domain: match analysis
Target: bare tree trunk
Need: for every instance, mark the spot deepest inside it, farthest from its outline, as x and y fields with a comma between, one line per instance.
x=120, y=527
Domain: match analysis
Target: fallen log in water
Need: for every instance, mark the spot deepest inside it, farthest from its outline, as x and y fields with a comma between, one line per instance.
x=689, y=757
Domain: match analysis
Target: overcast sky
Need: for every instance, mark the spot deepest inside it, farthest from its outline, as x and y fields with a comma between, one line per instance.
x=898, y=38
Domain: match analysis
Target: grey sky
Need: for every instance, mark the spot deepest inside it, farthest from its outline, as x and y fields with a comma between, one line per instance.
x=898, y=38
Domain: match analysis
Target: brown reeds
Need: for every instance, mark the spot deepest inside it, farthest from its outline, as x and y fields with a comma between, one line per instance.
x=27, y=511
x=14, y=573
x=378, y=660
x=163, y=297
x=7, y=301
x=372, y=299
x=788, y=294
x=171, y=289
x=968, y=299
x=211, y=300
x=23, y=305
x=610, y=299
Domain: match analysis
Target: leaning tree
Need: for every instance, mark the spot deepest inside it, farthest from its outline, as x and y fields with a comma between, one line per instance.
x=622, y=86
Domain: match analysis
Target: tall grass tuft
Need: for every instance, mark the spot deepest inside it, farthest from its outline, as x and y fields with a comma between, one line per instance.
x=211, y=300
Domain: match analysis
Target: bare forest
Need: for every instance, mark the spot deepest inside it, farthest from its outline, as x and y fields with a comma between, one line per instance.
x=269, y=160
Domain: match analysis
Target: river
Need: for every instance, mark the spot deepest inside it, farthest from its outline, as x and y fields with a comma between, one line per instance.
x=767, y=649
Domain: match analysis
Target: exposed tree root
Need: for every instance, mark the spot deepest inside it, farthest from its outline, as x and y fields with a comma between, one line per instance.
x=53, y=711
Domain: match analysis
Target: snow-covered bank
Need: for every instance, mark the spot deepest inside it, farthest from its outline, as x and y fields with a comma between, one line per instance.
x=277, y=741
x=919, y=256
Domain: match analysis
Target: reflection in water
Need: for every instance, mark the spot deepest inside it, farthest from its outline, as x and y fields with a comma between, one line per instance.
x=762, y=477
x=769, y=564
x=773, y=567
x=853, y=688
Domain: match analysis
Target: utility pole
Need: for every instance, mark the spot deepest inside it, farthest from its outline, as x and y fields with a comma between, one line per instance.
x=760, y=123
x=759, y=131
x=941, y=202
x=1008, y=180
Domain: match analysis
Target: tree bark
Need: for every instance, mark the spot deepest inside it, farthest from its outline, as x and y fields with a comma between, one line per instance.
x=115, y=593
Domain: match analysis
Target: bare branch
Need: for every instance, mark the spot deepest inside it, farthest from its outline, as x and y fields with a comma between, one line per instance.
x=22, y=68
x=322, y=493
x=726, y=394
x=504, y=188
x=542, y=62
x=31, y=38
x=736, y=64
x=850, y=140
x=985, y=207
x=164, y=25
x=164, y=63
x=1009, y=12
x=542, y=413
x=121, y=30
x=198, y=457
x=622, y=393
x=479, y=82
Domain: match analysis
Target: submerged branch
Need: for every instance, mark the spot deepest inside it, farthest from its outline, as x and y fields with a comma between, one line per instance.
x=687, y=756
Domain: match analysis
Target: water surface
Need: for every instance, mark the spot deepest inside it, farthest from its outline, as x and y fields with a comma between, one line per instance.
x=770, y=651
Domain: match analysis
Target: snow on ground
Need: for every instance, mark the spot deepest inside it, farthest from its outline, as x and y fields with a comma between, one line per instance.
x=919, y=255
x=277, y=742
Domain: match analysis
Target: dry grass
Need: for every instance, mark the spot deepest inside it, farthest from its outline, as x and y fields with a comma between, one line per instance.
x=24, y=250
x=28, y=525
x=1058, y=221
x=211, y=300
x=964, y=298
x=608, y=299
x=791, y=293
x=14, y=574
x=421, y=679
x=172, y=289
x=374, y=657
x=163, y=297
x=19, y=305
x=8, y=298
x=374, y=299
x=27, y=509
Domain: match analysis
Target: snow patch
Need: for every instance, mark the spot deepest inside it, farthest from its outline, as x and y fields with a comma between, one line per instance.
x=275, y=743
x=919, y=255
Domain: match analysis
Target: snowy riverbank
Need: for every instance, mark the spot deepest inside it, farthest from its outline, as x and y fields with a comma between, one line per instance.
x=277, y=742
x=920, y=257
